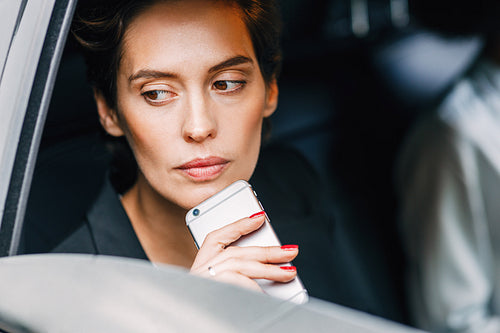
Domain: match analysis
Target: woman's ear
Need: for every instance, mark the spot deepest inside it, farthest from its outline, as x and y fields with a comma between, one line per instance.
x=271, y=98
x=107, y=115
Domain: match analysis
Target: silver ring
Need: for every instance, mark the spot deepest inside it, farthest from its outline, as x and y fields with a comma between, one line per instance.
x=211, y=271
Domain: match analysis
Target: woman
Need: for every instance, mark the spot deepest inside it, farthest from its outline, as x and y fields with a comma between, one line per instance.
x=187, y=84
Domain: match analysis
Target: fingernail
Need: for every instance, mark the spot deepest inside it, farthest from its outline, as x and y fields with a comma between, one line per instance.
x=290, y=247
x=257, y=214
x=289, y=268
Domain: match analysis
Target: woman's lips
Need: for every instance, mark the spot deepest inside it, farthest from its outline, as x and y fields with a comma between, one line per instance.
x=203, y=169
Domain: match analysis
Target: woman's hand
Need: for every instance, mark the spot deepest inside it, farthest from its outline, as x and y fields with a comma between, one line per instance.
x=240, y=265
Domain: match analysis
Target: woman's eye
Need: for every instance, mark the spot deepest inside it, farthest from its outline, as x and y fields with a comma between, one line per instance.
x=157, y=96
x=228, y=86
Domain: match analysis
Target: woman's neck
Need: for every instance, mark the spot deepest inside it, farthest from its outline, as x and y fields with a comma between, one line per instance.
x=159, y=225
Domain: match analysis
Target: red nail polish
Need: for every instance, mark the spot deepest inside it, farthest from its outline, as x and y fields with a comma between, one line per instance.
x=289, y=247
x=289, y=268
x=257, y=214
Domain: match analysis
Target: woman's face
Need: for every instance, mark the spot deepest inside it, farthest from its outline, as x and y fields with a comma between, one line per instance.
x=191, y=99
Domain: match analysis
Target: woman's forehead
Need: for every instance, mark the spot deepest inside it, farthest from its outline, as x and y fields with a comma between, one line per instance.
x=183, y=33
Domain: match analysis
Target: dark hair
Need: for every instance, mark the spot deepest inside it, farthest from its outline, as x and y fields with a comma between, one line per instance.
x=99, y=27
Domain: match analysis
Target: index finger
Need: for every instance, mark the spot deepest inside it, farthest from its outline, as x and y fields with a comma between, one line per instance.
x=217, y=240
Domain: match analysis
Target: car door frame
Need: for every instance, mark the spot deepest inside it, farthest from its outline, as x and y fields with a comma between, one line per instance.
x=30, y=136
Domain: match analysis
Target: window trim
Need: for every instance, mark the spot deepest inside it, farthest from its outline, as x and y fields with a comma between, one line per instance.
x=32, y=128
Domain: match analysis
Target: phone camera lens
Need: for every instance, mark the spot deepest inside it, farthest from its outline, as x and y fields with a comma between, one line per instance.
x=196, y=212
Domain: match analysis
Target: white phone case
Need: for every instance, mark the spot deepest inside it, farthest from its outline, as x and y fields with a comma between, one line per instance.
x=235, y=202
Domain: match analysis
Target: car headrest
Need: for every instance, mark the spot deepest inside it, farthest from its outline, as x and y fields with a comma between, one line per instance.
x=419, y=67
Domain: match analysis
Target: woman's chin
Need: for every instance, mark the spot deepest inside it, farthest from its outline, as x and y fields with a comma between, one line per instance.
x=189, y=199
x=201, y=192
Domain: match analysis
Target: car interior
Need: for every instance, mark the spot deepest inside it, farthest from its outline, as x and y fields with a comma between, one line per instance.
x=352, y=84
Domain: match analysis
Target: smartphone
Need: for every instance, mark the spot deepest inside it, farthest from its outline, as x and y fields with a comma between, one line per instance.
x=233, y=203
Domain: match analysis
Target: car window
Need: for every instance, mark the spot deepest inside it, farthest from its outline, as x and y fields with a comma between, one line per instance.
x=35, y=38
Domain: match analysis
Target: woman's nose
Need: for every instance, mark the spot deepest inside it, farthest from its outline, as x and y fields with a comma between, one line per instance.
x=199, y=122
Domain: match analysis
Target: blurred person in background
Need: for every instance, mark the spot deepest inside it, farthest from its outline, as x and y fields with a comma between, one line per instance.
x=449, y=185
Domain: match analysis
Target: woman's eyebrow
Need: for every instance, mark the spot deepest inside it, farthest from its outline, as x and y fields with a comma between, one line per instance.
x=150, y=74
x=154, y=74
x=234, y=61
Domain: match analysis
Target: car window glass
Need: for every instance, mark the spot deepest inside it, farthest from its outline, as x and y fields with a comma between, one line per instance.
x=17, y=79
